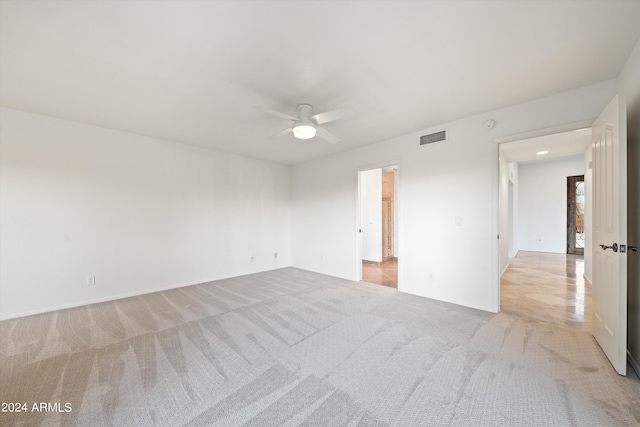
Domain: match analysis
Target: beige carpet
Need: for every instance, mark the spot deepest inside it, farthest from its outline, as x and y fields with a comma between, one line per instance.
x=290, y=347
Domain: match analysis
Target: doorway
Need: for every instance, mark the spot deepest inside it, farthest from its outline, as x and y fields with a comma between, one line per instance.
x=605, y=225
x=542, y=215
x=378, y=226
x=575, y=214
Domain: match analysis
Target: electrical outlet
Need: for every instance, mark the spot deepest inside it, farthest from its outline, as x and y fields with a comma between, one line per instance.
x=91, y=280
x=431, y=276
x=275, y=254
x=251, y=256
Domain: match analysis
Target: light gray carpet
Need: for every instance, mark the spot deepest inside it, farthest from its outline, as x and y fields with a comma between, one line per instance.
x=290, y=347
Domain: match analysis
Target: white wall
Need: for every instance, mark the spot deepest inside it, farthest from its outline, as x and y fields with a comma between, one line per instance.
x=371, y=214
x=437, y=183
x=513, y=211
x=395, y=212
x=588, y=215
x=503, y=201
x=542, y=204
x=508, y=180
x=140, y=214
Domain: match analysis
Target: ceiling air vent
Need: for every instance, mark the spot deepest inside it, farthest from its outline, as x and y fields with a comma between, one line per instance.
x=433, y=137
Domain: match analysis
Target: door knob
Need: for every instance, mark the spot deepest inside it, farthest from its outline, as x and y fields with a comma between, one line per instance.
x=614, y=247
x=633, y=248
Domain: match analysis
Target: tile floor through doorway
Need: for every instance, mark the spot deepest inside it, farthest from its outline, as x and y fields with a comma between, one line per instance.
x=538, y=286
x=381, y=273
x=547, y=287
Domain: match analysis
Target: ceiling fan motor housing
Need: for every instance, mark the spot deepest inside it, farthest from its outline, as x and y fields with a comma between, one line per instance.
x=305, y=111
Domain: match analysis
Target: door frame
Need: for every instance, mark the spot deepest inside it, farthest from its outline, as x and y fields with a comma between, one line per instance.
x=397, y=202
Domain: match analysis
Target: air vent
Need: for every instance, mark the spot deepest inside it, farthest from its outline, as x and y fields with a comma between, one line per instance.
x=433, y=137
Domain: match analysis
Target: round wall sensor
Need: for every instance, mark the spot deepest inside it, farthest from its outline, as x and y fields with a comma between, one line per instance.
x=489, y=124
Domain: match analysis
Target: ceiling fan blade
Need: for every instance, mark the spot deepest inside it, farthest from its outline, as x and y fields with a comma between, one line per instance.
x=284, y=132
x=276, y=113
x=332, y=115
x=326, y=135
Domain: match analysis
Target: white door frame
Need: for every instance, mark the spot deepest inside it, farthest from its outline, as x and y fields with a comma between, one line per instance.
x=397, y=200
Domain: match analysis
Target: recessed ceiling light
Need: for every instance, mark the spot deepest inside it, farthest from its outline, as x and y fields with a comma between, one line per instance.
x=542, y=153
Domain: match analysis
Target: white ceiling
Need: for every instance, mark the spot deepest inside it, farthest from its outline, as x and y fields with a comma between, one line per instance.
x=193, y=71
x=563, y=144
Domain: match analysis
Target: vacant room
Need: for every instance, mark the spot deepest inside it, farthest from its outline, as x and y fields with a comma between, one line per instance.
x=279, y=213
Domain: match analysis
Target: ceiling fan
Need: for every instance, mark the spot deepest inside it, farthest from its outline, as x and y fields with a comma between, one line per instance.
x=306, y=126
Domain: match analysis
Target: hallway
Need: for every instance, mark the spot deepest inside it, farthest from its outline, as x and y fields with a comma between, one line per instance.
x=547, y=287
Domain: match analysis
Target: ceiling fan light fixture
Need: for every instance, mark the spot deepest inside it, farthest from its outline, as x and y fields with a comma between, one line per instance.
x=304, y=131
x=306, y=126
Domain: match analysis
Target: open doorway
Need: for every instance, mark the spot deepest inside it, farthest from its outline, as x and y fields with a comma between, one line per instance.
x=378, y=225
x=544, y=271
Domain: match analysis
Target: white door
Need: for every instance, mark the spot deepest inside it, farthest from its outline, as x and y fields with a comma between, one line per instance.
x=609, y=146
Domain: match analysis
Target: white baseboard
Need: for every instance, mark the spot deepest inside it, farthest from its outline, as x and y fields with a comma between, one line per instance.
x=115, y=297
x=94, y=301
x=509, y=262
x=504, y=269
x=634, y=363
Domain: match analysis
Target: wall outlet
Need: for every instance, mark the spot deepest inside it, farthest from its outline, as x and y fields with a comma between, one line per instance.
x=275, y=254
x=432, y=276
x=251, y=256
x=91, y=280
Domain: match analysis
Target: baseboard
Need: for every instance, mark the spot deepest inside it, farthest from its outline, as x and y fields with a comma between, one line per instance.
x=116, y=297
x=459, y=304
x=504, y=269
x=633, y=362
x=507, y=266
x=93, y=301
x=587, y=279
